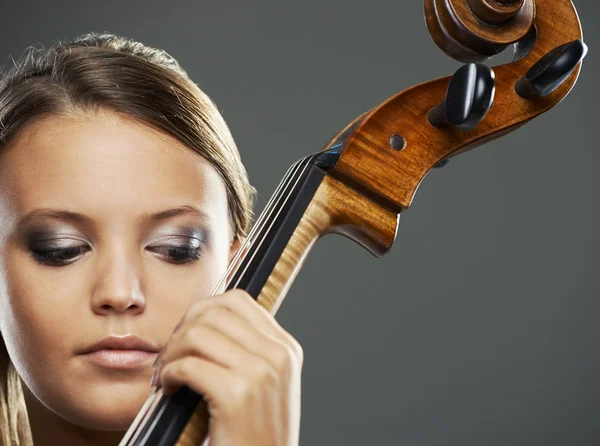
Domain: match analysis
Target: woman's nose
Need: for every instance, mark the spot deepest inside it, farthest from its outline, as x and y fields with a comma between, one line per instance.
x=118, y=285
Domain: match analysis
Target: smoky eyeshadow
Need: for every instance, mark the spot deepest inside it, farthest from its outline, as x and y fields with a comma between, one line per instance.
x=48, y=238
x=196, y=232
x=197, y=235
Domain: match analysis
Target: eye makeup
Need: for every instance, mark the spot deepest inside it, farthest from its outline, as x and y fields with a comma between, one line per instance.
x=196, y=233
x=182, y=244
x=46, y=246
x=181, y=254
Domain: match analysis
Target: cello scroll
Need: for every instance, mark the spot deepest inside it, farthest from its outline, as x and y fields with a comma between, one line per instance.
x=391, y=177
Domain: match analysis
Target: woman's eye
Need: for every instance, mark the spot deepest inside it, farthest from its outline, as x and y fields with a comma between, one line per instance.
x=57, y=257
x=179, y=254
x=64, y=256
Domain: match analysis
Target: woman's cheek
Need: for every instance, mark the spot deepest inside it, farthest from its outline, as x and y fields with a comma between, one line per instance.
x=39, y=338
x=49, y=316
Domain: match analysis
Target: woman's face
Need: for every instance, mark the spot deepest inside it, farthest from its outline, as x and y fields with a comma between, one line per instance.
x=116, y=268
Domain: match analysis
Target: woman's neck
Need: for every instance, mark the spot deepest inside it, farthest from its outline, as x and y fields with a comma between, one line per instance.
x=49, y=429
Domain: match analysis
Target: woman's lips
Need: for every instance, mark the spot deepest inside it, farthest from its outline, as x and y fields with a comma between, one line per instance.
x=121, y=359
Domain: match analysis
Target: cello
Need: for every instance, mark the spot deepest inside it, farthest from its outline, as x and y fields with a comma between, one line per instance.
x=367, y=174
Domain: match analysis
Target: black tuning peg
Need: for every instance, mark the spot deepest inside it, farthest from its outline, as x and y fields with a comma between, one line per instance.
x=469, y=97
x=551, y=70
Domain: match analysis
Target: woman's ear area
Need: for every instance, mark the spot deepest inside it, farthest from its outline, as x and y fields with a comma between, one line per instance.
x=236, y=244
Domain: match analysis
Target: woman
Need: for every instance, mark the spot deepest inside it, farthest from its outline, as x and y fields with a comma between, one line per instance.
x=122, y=201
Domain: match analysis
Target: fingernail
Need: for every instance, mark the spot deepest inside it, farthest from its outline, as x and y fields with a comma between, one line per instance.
x=154, y=379
x=157, y=359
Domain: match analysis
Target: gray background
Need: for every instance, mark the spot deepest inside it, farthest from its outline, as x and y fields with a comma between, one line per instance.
x=480, y=326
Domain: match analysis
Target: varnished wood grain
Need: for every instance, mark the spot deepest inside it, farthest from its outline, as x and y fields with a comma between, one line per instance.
x=335, y=208
x=459, y=27
x=392, y=177
x=491, y=11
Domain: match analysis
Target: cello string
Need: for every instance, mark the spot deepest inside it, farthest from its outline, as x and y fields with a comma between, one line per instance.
x=308, y=159
x=142, y=417
x=265, y=216
x=134, y=428
x=264, y=234
x=259, y=225
x=153, y=424
x=151, y=403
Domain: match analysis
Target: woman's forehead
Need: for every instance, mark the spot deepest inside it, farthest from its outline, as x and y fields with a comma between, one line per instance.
x=108, y=164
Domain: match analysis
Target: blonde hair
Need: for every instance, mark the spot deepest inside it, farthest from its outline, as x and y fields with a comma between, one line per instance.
x=103, y=71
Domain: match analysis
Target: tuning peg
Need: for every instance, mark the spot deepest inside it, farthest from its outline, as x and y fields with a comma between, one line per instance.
x=469, y=97
x=551, y=70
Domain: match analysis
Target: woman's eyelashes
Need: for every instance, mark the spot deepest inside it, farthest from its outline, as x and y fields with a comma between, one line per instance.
x=54, y=255
x=179, y=254
x=57, y=256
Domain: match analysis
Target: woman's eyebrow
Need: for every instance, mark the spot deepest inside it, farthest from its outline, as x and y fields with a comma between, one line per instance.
x=76, y=217
x=180, y=210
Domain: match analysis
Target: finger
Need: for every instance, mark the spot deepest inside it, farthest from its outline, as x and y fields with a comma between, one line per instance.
x=219, y=386
x=240, y=302
x=209, y=343
x=225, y=392
x=256, y=342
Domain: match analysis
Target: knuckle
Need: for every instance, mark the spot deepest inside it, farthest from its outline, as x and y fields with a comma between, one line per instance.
x=294, y=346
x=240, y=294
x=174, y=371
x=211, y=314
x=192, y=334
x=297, y=350
x=194, y=349
x=284, y=358
x=198, y=307
x=264, y=374
x=240, y=394
x=194, y=309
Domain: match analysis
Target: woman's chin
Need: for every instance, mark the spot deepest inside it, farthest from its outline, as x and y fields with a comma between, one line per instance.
x=112, y=408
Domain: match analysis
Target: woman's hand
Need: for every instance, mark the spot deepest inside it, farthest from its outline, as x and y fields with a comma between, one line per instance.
x=247, y=367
